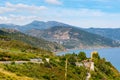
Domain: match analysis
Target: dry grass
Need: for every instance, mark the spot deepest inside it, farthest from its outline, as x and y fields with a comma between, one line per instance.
x=5, y=75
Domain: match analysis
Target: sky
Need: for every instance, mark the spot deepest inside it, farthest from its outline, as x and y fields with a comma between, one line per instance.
x=80, y=13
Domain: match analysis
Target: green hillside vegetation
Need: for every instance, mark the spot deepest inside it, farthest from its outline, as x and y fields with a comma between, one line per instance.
x=14, y=50
x=6, y=75
x=36, y=42
x=103, y=69
x=14, y=54
x=55, y=69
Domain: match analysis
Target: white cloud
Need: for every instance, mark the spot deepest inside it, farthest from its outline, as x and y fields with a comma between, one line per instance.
x=25, y=7
x=21, y=8
x=56, y=2
x=5, y=9
x=84, y=17
x=79, y=17
x=20, y=20
x=82, y=12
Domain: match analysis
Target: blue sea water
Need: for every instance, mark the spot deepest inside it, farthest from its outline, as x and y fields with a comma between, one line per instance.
x=111, y=54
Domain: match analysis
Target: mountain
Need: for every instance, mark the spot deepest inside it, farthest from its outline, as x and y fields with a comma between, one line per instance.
x=41, y=25
x=106, y=32
x=10, y=26
x=73, y=37
x=36, y=42
x=33, y=25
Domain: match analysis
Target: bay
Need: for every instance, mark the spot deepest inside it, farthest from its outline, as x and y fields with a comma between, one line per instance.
x=111, y=54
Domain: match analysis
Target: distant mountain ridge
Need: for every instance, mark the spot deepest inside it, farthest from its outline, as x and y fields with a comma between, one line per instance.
x=69, y=36
x=73, y=37
x=43, y=25
x=107, y=32
x=33, y=25
x=10, y=26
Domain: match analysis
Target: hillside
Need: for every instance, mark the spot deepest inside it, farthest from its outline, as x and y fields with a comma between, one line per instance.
x=73, y=37
x=7, y=44
x=55, y=69
x=15, y=50
x=106, y=32
x=6, y=75
x=36, y=42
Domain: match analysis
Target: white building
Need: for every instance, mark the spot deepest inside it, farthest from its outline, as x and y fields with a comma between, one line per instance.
x=47, y=59
x=89, y=64
x=36, y=60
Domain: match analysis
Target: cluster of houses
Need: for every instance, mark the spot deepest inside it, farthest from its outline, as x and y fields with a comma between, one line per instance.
x=89, y=64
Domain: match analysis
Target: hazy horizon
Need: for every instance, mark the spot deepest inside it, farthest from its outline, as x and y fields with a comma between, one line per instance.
x=80, y=13
x=60, y=22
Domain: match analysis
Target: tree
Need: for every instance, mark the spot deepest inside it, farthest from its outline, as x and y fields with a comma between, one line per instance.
x=95, y=55
x=82, y=56
x=72, y=60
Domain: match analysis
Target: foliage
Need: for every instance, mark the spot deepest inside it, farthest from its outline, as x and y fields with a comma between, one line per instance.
x=104, y=69
x=81, y=56
x=95, y=55
x=36, y=42
x=11, y=56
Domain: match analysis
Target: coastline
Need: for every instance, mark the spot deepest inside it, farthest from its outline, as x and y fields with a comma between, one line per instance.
x=107, y=52
x=93, y=48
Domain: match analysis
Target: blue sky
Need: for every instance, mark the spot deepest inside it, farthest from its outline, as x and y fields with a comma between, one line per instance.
x=81, y=13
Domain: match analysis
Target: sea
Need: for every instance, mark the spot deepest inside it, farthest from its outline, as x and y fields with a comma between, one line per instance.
x=110, y=54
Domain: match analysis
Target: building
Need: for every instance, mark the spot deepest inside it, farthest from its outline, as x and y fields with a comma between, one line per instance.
x=89, y=64
x=47, y=59
x=79, y=64
x=36, y=60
